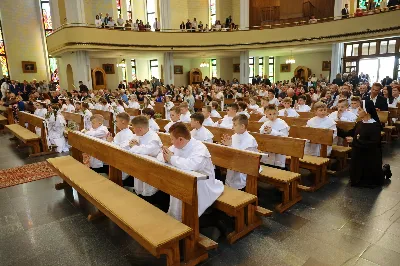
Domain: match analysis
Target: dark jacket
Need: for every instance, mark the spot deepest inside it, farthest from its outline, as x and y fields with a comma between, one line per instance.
x=380, y=103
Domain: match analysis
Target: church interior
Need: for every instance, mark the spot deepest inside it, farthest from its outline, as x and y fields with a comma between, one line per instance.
x=207, y=132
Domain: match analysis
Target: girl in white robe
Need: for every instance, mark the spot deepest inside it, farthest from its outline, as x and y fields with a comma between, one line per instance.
x=68, y=106
x=133, y=102
x=40, y=111
x=55, y=124
x=87, y=115
x=274, y=127
x=149, y=114
x=168, y=106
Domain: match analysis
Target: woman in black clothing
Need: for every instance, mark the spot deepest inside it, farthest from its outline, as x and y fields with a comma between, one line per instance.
x=366, y=159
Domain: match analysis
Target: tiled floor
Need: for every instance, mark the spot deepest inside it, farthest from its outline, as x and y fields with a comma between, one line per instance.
x=337, y=225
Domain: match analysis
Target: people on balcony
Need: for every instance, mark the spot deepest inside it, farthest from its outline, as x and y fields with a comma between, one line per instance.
x=120, y=21
x=312, y=20
x=98, y=22
x=156, y=25
x=110, y=23
x=345, y=11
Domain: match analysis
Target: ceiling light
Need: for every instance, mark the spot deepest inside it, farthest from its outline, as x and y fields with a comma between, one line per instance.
x=290, y=60
x=204, y=64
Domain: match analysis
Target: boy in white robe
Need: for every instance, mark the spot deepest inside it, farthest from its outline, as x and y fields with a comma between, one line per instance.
x=185, y=114
x=271, y=97
x=97, y=130
x=321, y=120
x=208, y=122
x=55, y=124
x=342, y=114
x=240, y=140
x=243, y=109
x=214, y=112
x=274, y=127
x=146, y=142
x=199, y=132
x=175, y=116
x=227, y=121
x=124, y=136
x=168, y=106
x=288, y=111
x=253, y=106
x=190, y=154
x=301, y=105
x=355, y=103
x=149, y=114
x=264, y=103
x=133, y=102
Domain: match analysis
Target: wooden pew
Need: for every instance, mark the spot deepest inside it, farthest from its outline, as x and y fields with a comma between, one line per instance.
x=285, y=181
x=307, y=115
x=75, y=118
x=198, y=105
x=159, y=109
x=132, y=111
x=293, y=121
x=235, y=202
x=254, y=126
x=389, y=128
x=108, y=117
x=255, y=117
x=7, y=112
x=222, y=113
x=28, y=135
x=341, y=153
x=153, y=229
x=162, y=123
x=318, y=165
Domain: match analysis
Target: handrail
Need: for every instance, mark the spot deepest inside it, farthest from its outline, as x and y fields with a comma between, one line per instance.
x=280, y=24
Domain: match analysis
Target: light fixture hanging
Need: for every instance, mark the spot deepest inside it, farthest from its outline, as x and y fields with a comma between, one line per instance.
x=204, y=64
x=122, y=63
x=290, y=60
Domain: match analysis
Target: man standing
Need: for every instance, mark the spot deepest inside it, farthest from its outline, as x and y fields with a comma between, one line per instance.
x=156, y=25
x=345, y=11
x=83, y=87
x=380, y=102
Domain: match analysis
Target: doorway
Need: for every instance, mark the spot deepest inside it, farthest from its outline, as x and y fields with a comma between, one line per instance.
x=377, y=68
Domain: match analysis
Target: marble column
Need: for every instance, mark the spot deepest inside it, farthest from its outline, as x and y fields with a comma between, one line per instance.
x=75, y=11
x=244, y=67
x=165, y=14
x=336, y=60
x=244, y=14
x=168, y=68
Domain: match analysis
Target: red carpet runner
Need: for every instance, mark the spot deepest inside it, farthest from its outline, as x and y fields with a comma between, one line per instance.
x=24, y=174
x=29, y=172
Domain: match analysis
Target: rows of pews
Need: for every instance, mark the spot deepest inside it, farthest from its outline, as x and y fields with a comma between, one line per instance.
x=159, y=233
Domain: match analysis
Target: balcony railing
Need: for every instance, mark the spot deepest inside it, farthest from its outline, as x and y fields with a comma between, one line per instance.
x=270, y=23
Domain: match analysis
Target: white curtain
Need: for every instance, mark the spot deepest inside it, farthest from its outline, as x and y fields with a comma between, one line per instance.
x=165, y=14
x=336, y=61
x=168, y=68
x=244, y=67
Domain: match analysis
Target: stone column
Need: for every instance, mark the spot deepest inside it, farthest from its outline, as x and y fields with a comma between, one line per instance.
x=165, y=14
x=336, y=60
x=244, y=14
x=168, y=68
x=244, y=67
x=75, y=11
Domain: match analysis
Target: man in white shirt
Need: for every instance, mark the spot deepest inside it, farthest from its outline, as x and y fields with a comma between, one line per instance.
x=120, y=21
x=396, y=97
x=156, y=25
x=194, y=24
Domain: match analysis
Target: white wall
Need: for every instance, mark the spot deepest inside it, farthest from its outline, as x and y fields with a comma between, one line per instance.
x=312, y=61
x=182, y=79
x=24, y=38
x=112, y=79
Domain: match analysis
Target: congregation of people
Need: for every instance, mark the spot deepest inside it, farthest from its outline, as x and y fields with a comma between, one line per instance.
x=348, y=98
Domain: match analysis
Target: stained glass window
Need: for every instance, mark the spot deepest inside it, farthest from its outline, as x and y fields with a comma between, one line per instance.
x=46, y=17
x=364, y=3
x=213, y=12
x=3, y=57
x=214, y=68
x=129, y=8
x=119, y=7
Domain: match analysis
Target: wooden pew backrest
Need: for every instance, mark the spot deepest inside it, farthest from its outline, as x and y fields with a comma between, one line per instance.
x=162, y=123
x=280, y=145
x=108, y=116
x=31, y=119
x=314, y=135
x=307, y=115
x=77, y=118
x=241, y=161
x=293, y=121
x=219, y=132
x=383, y=116
x=180, y=184
x=346, y=126
x=254, y=126
x=132, y=111
x=255, y=117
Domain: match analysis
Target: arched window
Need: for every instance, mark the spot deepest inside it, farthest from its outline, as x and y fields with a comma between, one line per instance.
x=3, y=57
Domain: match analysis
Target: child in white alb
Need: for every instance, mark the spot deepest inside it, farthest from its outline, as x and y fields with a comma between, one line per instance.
x=288, y=111
x=199, y=132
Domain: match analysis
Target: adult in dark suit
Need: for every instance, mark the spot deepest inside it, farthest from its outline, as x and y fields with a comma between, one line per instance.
x=392, y=3
x=266, y=81
x=345, y=11
x=380, y=102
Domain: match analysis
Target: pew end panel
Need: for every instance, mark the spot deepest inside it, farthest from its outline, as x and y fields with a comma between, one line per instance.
x=285, y=181
x=317, y=165
x=341, y=153
x=75, y=118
